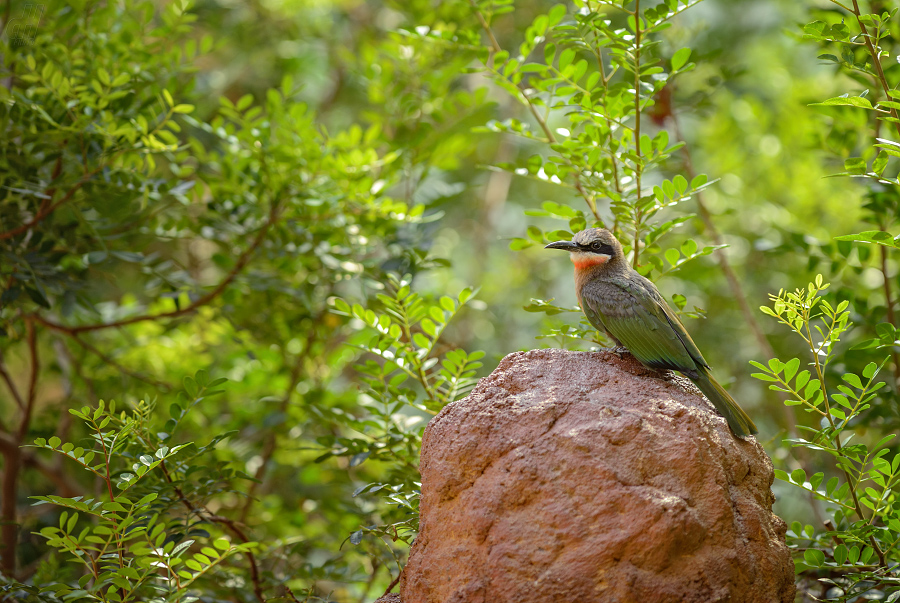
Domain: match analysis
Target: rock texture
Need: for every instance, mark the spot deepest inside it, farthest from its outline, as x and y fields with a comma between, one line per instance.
x=584, y=477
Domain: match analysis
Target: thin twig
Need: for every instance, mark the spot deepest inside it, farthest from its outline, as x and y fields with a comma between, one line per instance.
x=876, y=60
x=12, y=464
x=579, y=186
x=889, y=303
x=10, y=385
x=46, y=209
x=272, y=441
x=110, y=361
x=393, y=583
x=241, y=263
x=228, y=523
x=837, y=438
x=639, y=164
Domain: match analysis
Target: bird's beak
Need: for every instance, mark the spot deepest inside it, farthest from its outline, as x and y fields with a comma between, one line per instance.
x=565, y=245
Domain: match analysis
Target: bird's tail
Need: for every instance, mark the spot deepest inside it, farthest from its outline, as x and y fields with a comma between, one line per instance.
x=740, y=423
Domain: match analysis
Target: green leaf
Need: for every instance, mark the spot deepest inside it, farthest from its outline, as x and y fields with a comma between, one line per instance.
x=853, y=380
x=870, y=370
x=855, y=165
x=853, y=101
x=872, y=236
x=790, y=369
x=840, y=554
x=680, y=58
x=880, y=162
x=222, y=544
x=814, y=557
x=556, y=14
x=672, y=256
x=190, y=386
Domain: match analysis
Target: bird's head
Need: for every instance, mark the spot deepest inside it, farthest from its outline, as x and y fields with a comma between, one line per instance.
x=591, y=247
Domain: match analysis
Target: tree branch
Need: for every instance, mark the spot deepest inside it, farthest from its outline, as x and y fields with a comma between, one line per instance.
x=12, y=464
x=11, y=386
x=639, y=164
x=32, y=382
x=228, y=523
x=48, y=209
x=122, y=369
x=876, y=60
x=889, y=303
x=272, y=441
x=495, y=48
x=241, y=263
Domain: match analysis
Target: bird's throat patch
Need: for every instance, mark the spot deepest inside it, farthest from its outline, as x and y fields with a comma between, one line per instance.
x=583, y=260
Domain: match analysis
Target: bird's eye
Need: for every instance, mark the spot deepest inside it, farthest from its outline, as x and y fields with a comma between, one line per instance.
x=596, y=245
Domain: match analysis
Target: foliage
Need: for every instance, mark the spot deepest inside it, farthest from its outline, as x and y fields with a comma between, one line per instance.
x=286, y=194
x=404, y=337
x=602, y=76
x=858, y=545
x=854, y=549
x=148, y=534
x=144, y=234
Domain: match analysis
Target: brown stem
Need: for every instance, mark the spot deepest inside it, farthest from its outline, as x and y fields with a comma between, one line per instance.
x=110, y=361
x=9, y=529
x=272, y=441
x=376, y=565
x=638, y=165
x=736, y=289
x=837, y=440
x=241, y=263
x=495, y=47
x=393, y=583
x=876, y=61
x=11, y=386
x=32, y=382
x=12, y=463
x=228, y=523
x=889, y=303
x=47, y=209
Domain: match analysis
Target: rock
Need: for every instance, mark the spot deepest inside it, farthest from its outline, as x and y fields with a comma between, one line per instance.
x=579, y=477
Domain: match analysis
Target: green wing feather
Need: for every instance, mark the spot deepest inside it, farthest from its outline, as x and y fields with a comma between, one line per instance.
x=640, y=319
x=633, y=311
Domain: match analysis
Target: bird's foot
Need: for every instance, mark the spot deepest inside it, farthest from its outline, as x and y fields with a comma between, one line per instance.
x=618, y=351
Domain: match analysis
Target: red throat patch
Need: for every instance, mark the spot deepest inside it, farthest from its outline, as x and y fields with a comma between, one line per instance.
x=586, y=260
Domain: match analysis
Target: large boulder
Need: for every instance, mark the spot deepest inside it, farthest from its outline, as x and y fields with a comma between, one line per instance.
x=571, y=477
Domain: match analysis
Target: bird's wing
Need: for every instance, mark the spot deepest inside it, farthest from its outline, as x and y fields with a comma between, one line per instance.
x=637, y=315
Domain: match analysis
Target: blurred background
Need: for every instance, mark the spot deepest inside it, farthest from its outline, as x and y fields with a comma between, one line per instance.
x=367, y=83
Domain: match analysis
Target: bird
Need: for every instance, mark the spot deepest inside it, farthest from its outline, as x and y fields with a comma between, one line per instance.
x=617, y=300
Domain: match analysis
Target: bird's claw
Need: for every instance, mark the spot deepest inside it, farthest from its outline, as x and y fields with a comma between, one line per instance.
x=618, y=351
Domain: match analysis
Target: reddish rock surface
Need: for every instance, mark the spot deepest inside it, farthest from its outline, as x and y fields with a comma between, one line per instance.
x=583, y=477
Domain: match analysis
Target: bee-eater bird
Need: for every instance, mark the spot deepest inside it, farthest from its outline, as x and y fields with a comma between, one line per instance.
x=628, y=308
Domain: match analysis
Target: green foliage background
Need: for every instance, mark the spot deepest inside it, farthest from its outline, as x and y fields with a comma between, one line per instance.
x=300, y=197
